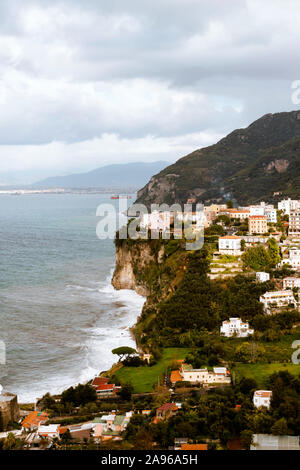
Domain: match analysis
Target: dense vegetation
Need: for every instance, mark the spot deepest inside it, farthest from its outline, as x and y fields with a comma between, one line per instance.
x=250, y=164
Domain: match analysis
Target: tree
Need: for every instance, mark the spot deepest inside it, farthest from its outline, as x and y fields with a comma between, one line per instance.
x=79, y=395
x=280, y=427
x=246, y=439
x=124, y=351
x=126, y=392
x=274, y=251
x=66, y=437
x=144, y=440
x=229, y=204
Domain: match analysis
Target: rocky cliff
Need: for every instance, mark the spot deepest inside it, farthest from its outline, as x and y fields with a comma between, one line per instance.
x=133, y=261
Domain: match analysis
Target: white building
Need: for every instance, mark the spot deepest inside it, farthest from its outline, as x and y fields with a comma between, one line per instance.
x=294, y=223
x=277, y=299
x=235, y=327
x=230, y=245
x=288, y=205
x=257, y=210
x=219, y=375
x=49, y=431
x=262, y=398
x=271, y=215
x=293, y=260
x=291, y=283
x=262, y=276
x=157, y=220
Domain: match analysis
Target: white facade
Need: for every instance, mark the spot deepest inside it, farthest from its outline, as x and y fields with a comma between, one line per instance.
x=262, y=276
x=291, y=282
x=156, y=220
x=277, y=299
x=220, y=375
x=262, y=398
x=51, y=430
x=293, y=260
x=294, y=223
x=257, y=210
x=230, y=245
x=271, y=215
x=235, y=327
x=288, y=205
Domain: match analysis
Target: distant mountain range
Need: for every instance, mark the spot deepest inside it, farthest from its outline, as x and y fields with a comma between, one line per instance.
x=118, y=176
x=248, y=165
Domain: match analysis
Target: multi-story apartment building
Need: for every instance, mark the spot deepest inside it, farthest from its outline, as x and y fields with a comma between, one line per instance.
x=291, y=282
x=294, y=223
x=277, y=299
x=258, y=224
x=230, y=245
x=288, y=205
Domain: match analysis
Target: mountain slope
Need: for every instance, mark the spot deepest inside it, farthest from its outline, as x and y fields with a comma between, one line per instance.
x=111, y=176
x=246, y=165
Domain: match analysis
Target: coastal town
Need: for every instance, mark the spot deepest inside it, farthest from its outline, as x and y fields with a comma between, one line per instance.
x=131, y=405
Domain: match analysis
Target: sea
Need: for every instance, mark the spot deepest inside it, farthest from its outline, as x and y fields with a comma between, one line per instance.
x=60, y=317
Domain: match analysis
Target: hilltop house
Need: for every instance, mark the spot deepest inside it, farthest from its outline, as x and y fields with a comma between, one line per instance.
x=219, y=375
x=262, y=276
x=165, y=411
x=235, y=327
x=230, y=245
x=262, y=398
x=103, y=388
x=277, y=299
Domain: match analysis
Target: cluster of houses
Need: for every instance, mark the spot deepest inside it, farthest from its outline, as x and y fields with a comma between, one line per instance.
x=35, y=428
x=260, y=216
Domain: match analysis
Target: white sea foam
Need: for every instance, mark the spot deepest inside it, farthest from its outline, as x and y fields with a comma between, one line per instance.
x=110, y=331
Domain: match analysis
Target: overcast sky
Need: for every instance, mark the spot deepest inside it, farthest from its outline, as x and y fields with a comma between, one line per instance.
x=94, y=82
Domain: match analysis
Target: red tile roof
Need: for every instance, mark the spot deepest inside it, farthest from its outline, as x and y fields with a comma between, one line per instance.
x=106, y=387
x=175, y=376
x=193, y=446
x=167, y=406
x=100, y=381
x=34, y=419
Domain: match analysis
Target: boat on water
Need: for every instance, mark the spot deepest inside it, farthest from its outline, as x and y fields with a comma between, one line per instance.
x=120, y=196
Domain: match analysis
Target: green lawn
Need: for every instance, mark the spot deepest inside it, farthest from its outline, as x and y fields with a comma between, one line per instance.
x=261, y=372
x=143, y=378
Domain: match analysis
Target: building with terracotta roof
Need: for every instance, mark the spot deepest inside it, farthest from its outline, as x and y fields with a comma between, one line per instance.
x=193, y=447
x=175, y=377
x=262, y=398
x=166, y=411
x=106, y=390
x=258, y=224
x=34, y=420
x=99, y=381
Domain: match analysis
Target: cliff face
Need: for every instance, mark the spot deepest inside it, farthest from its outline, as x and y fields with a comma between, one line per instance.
x=133, y=262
